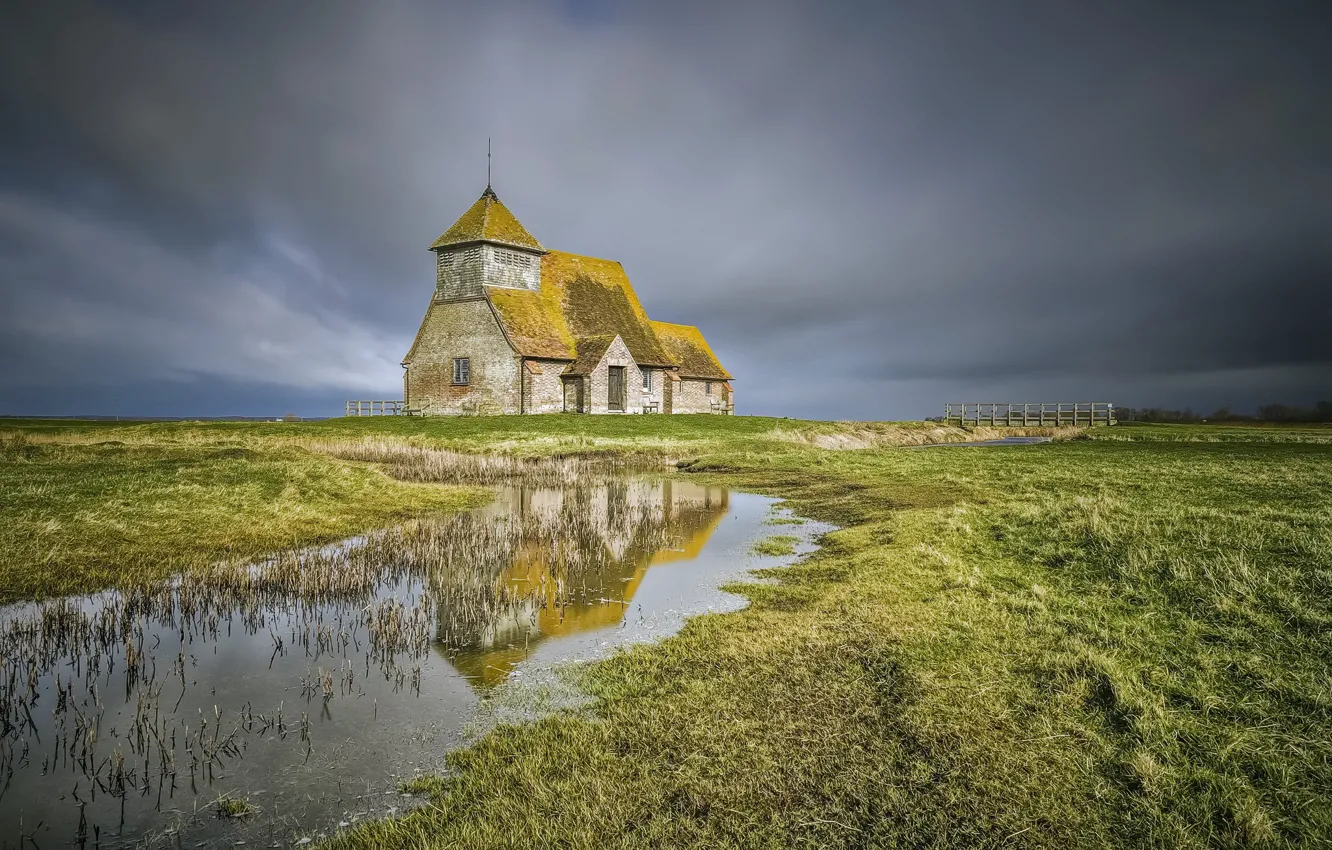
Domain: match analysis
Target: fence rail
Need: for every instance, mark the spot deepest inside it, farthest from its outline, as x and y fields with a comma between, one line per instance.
x=1034, y=414
x=378, y=408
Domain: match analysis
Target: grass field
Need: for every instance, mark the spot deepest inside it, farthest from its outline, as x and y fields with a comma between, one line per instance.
x=1115, y=641
x=85, y=515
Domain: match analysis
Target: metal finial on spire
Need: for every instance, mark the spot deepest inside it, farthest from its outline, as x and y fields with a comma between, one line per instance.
x=487, y=162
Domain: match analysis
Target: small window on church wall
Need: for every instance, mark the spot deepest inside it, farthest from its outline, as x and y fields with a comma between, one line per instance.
x=707, y=387
x=647, y=380
x=462, y=370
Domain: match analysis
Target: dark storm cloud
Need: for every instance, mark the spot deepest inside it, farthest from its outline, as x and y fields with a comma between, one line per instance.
x=868, y=209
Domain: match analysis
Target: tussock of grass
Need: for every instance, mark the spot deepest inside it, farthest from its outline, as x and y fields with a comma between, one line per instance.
x=423, y=785
x=776, y=545
x=234, y=807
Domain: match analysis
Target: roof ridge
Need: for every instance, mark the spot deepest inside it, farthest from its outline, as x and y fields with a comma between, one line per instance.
x=491, y=200
x=574, y=256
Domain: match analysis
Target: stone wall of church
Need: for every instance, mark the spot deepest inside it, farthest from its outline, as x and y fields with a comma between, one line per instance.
x=651, y=396
x=543, y=390
x=598, y=389
x=695, y=396
x=575, y=393
x=462, y=329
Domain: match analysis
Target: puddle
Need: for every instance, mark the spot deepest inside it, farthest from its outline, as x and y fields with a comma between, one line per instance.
x=312, y=684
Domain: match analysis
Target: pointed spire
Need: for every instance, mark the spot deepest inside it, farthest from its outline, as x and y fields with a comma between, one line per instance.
x=488, y=220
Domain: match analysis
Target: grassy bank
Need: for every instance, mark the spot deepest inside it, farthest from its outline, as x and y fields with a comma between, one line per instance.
x=1116, y=641
x=1242, y=432
x=89, y=514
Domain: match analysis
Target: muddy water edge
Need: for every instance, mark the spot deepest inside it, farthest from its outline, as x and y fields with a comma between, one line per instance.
x=278, y=701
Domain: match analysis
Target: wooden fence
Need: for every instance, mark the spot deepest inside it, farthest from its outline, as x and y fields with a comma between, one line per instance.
x=1032, y=415
x=378, y=408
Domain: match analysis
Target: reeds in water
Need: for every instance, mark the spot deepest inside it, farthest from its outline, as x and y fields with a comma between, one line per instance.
x=374, y=605
x=421, y=463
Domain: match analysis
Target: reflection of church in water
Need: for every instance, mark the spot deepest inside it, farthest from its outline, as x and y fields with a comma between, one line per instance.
x=636, y=524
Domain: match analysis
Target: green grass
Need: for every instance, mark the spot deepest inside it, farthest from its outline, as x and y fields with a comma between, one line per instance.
x=681, y=436
x=426, y=783
x=1239, y=432
x=234, y=807
x=777, y=544
x=1119, y=641
x=82, y=516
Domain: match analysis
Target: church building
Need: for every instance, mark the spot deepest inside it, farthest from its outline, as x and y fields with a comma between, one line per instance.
x=515, y=328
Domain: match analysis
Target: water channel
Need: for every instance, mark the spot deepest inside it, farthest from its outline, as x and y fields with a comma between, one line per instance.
x=309, y=686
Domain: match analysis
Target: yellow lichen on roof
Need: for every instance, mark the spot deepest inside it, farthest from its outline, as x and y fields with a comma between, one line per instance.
x=488, y=220
x=586, y=299
x=686, y=345
x=533, y=321
x=597, y=299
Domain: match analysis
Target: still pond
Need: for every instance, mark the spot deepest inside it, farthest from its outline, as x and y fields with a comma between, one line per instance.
x=296, y=694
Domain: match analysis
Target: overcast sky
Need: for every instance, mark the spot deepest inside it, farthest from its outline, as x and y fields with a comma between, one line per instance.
x=870, y=210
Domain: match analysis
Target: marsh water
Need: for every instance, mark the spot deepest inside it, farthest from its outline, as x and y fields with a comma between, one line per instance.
x=308, y=686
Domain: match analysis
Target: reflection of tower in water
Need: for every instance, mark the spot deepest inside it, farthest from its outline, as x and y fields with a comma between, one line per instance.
x=584, y=577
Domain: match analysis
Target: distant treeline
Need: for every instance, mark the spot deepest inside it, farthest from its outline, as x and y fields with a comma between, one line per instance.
x=1319, y=412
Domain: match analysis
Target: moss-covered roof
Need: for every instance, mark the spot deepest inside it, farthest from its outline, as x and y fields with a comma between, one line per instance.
x=533, y=323
x=599, y=300
x=590, y=351
x=488, y=220
x=580, y=298
x=687, y=347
